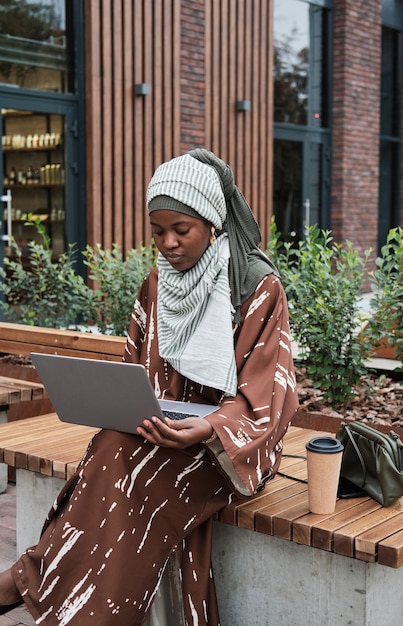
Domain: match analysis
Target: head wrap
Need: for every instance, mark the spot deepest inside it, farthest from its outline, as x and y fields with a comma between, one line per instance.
x=191, y=183
x=202, y=181
x=248, y=264
x=170, y=204
x=196, y=308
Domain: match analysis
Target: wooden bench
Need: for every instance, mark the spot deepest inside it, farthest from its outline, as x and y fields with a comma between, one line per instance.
x=358, y=547
x=52, y=448
x=19, y=397
x=21, y=339
x=15, y=392
x=274, y=562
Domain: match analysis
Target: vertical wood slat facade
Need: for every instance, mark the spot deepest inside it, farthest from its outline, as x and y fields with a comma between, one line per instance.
x=239, y=53
x=199, y=57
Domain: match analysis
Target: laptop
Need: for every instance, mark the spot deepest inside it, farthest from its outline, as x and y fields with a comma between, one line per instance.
x=106, y=394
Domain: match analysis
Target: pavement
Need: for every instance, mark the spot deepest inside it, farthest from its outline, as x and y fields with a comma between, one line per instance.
x=20, y=616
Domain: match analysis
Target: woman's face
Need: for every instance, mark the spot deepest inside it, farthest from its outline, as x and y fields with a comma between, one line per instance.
x=181, y=239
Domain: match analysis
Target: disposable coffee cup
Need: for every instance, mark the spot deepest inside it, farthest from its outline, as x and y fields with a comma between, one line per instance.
x=324, y=455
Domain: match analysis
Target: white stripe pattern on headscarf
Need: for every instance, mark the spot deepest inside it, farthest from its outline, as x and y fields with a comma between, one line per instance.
x=195, y=319
x=193, y=183
x=194, y=310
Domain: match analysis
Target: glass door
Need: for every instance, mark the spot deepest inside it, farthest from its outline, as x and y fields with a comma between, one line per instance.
x=301, y=182
x=34, y=178
x=40, y=177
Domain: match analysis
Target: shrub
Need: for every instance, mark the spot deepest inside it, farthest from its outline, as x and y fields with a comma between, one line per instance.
x=323, y=282
x=47, y=292
x=117, y=281
x=386, y=305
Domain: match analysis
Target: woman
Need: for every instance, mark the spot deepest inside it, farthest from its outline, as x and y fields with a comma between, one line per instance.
x=136, y=500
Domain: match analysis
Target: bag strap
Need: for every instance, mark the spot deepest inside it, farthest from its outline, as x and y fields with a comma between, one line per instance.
x=293, y=456
x=389, y=440
x=356, y=448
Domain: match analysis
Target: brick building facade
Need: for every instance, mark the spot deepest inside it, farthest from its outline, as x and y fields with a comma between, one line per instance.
x=357, y=53
x=156, y=78
x=200, y=58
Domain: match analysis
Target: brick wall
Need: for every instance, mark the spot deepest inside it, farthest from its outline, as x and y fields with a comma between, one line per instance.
x=356, y=111
x=192, y=79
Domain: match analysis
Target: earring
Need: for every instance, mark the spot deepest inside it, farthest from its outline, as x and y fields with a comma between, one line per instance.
x=213, y=238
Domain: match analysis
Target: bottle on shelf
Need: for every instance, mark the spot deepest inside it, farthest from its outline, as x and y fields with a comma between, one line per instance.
x=30, y=175
x=12, y=176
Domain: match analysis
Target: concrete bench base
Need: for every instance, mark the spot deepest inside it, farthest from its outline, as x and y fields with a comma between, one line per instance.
x=3, y=477
x=266, y=581
x=259, y=575
x=34, y=493
x=3, y=466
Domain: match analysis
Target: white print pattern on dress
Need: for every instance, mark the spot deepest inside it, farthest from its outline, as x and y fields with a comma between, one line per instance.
x=67, y=613
x=157, y=472
x=257, y=302
x=198, y=460
x=150, y=521
x=138, y=469
x=73, y=538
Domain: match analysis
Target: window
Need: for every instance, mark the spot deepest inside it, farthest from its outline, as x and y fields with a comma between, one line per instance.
x=300, y=64
x=390, y=134
x=35, y=44
x=301, y=153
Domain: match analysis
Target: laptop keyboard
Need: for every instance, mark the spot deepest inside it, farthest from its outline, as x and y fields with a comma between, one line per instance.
x=177, y=415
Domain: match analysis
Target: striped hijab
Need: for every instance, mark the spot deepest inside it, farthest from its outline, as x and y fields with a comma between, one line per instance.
x=196, y=309
x=194, y=316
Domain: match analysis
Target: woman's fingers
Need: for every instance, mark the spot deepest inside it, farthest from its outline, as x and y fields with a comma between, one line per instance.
x=175, y=434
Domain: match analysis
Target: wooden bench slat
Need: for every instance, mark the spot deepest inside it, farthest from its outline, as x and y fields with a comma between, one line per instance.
x=8, y=381
x=366, y=545
x=344, y=539
x=305, y=526
x=35, y=443
x=36, y=437
x=9, y=347
x=45, y=451
x=43, y=465
x=265, y=518
x=8, y=397
x=13, y=390
x=284, y=521
x=20, y=339
x=390, y=551
x=246, y=513
x=323, y=533
x=229, y=515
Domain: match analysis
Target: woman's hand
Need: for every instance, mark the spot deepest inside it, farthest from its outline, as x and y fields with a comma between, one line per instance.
x=176, y=433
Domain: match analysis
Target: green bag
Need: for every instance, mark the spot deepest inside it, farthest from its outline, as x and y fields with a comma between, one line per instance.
x=372, y=461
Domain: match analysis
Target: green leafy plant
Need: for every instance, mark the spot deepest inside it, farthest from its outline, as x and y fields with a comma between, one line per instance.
x=323, y=282
x=116, y=282
x=385, y=323
x=46, y=292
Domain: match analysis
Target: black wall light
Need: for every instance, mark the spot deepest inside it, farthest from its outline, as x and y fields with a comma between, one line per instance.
x=243, y=105
x=142, y=89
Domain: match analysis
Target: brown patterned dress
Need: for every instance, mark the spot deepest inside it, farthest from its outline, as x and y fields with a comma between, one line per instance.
x=131, y=504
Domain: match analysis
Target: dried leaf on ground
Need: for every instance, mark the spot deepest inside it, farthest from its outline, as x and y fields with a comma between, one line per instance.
x=379, y=400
